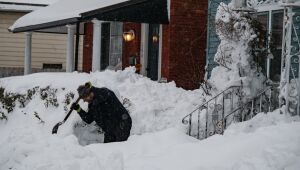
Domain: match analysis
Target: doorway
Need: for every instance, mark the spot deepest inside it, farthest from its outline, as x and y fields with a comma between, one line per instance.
x=153, y=51
x=105, y=44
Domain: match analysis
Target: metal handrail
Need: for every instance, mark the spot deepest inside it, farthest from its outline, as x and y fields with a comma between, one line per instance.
x=216, y=108
x=214, y=124
x=250, y=101
x=202, y=105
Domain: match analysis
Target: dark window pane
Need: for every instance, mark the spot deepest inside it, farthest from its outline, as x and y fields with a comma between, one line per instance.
x=262, y=45
x=276, y=45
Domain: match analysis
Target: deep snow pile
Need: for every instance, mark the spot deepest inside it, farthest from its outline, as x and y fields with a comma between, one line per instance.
x=265, y=142
x=153, y=106
x=268, y=142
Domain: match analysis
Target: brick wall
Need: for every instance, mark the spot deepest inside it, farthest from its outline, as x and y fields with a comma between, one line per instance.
x=165, y=52
x=87, y=47
x=131, y=48
x=184, y=43
x=183, y=48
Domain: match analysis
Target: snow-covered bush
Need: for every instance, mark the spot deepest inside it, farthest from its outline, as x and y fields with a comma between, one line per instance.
x=234, y=54
x=10, y=100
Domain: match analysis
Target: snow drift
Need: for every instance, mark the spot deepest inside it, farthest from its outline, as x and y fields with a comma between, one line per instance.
x=153, y=106
x=269, y=141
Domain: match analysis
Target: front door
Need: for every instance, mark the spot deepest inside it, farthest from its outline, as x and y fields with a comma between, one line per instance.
x=105, y=44
x=153, y=52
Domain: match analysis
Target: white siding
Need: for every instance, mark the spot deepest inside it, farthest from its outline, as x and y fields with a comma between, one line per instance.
x=46, y=48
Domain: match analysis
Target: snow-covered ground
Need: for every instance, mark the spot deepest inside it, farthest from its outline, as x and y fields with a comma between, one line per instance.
x=158, y=141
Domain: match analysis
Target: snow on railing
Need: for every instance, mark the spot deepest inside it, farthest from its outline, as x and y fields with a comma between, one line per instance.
x=212, y=112
x=214, y=116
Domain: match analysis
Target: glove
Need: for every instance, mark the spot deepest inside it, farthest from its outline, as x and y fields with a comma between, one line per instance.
x=76, y=107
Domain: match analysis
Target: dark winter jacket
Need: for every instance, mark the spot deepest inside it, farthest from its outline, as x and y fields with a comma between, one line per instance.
x=109, y=113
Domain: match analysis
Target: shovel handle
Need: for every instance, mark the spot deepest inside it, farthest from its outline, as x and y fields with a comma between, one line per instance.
x=69, y=113
x=55, y=128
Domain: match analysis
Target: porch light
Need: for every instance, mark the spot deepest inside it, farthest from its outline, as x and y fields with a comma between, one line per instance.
x=129, y=36
x=155, y=38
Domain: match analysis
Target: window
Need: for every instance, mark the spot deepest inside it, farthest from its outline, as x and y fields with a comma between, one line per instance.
x=52, y=66
x=116, y=41
x=272, y=25
x=111, y=45
x=276, y=45
x=262, y=45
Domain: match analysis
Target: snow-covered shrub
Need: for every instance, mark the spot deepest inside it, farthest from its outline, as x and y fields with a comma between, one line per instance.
x=68, y=99
x=49, y=96
x=234, y=55
x=10, y=100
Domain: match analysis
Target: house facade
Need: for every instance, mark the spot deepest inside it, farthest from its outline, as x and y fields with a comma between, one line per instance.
x=174, y=51
x=169, y=36
x=48, y=50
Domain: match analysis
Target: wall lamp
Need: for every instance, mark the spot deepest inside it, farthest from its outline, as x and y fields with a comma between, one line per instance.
x=129, y=36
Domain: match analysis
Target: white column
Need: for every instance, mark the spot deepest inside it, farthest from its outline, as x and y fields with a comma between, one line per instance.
x=70, y=48
x=96, y=62
x=160, y=51
x=144, y=47
x=288, y=40
x=27, y=59
x=269, y=40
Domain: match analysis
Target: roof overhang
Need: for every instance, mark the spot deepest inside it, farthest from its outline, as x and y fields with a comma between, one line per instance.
x=45, y=25
x=19, y=7
x=140, y=11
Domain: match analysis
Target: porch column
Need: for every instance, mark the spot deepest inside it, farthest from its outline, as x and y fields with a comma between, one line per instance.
x=27, y=59
x=70, y=48
x=96, y=62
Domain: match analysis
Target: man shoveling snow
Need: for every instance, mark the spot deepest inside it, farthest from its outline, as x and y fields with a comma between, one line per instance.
x=106, y=110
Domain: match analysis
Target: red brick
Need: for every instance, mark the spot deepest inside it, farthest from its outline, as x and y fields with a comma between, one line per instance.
x=183, y=48
x=87, y=47
x=184, y=41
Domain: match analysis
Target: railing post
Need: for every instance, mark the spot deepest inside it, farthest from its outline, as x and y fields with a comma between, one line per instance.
x=206, y=121
x=252, y=108
x=270, y=102
x=190, y=125
x=231, y=100
x=198, y=134
x=260, y=103
x=223, y=114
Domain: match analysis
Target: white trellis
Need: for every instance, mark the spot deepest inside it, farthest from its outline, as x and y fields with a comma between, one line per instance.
x=290, y=84
x=255, y=3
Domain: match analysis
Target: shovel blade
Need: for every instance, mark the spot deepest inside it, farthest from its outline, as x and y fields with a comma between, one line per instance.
x=55, y=128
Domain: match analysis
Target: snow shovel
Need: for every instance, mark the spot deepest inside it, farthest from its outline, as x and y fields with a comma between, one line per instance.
x=55, y=128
